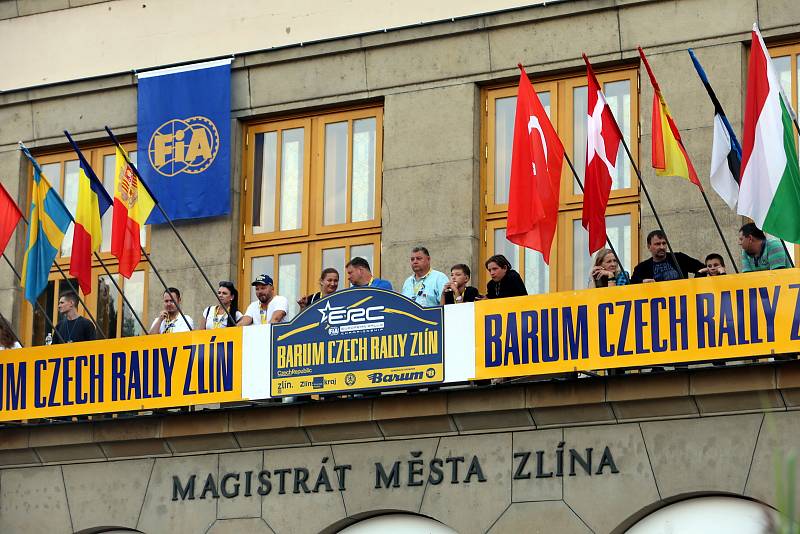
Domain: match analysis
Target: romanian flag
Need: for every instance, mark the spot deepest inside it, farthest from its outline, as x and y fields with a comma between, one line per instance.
x=669, y=154
x=132, y=207
x=9, y=217
x=93, y=202
x=49, y=220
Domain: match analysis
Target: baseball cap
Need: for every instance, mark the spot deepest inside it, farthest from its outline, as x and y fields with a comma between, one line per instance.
x=263, y=279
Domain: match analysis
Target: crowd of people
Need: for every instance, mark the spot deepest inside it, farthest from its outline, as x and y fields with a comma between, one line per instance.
x=425, y=286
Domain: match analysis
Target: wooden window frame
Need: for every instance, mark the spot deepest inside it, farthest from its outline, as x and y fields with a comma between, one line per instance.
x=493, y=216
x=314, y=235
x=347, y=243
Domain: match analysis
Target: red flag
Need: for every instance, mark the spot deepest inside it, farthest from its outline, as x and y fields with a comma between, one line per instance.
x=9, y=217
x=602, y=144
x=536, y=161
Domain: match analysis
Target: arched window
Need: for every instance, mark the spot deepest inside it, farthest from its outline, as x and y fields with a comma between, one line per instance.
x=732, y=515
x=398, y=524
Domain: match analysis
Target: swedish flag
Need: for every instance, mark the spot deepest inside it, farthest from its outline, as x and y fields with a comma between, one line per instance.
x=49, y=220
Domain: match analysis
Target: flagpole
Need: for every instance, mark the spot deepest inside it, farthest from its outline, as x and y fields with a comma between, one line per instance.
x=172, y=226
x=718, y=109
x=166, y=288
x=650, y=202
x=97, y=256
x=36, y=303
x=60, y=270
x=608, y=239
x=72, y=287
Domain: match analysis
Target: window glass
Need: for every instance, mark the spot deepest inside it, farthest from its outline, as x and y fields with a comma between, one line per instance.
x=260, y=265
x=505, y=111
x=363, y=187
x=618, y=96
x=134, y=291
x=335, y=257
x=579, y=122
x=107, y=305
x=70, y=197
x=289, y=273
x=46, y=305
x=292, y=154
x=534, y=271
x=335, y=173
x=264, y=179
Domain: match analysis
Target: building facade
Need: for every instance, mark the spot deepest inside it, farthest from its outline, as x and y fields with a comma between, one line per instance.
x=367, y=135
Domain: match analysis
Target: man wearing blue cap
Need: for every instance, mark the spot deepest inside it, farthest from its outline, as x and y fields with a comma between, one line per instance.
x=268, y=308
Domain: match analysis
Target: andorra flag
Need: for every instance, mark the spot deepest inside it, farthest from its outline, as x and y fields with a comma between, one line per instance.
x=132, y=207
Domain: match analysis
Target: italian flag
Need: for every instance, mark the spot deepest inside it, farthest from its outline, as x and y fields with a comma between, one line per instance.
x=770, y=181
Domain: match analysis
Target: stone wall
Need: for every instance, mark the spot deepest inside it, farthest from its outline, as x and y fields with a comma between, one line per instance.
x=485, y=460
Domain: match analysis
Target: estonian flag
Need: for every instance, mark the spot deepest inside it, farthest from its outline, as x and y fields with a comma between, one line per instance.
x=726, y=153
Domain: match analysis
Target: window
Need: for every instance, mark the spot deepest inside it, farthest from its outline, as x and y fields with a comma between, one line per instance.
x=104, y=302
x=312, y=197
x=787, y=64
x=565, y=102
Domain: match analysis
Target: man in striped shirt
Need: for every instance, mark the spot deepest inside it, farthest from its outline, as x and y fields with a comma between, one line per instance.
x=760, y=253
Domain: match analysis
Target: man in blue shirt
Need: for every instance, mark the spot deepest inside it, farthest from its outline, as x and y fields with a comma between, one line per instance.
x=425, y=286
x=360, y=275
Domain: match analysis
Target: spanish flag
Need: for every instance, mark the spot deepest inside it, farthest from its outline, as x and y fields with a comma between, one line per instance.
x=93, y=202
x=132, y=207
x=669, y=154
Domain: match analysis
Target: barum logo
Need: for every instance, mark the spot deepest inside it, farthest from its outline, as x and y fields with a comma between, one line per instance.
x=383, y=378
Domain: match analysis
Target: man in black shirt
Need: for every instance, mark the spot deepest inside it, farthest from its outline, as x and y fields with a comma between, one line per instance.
x=661, y=266
x=72, y=328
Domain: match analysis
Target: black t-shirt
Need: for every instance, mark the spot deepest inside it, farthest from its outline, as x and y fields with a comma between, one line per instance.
x=469, y=295
x=511, y=285
x=79, y=329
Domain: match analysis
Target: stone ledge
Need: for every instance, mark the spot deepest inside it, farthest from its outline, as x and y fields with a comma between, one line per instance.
x=561, y=402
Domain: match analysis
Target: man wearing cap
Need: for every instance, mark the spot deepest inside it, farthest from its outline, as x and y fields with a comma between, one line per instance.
x=268, y=308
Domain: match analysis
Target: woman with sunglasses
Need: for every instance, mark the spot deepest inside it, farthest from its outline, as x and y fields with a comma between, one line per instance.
x=215, y=316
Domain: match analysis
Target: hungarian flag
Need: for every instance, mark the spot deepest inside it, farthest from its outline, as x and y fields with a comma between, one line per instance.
x=9, y=217
x=132, y=207
x=602, y=144
x=93, y=202
x=669, y=155
x=536, y=160
x=770, y=181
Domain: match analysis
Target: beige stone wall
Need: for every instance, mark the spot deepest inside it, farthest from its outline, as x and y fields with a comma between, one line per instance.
x=428, y=79
x=74, y=39
x=658, y=462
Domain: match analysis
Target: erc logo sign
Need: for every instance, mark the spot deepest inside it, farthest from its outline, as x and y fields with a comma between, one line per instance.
x=183, y=145
x=339, y=319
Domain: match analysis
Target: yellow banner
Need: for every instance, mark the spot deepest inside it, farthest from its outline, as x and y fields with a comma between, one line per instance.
x=136, y=373
x=662, y=323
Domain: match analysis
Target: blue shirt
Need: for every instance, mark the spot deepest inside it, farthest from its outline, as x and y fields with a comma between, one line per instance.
x=380, y=283
x=427, y=291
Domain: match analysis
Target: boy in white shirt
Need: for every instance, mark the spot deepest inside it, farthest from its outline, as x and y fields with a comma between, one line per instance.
x=268, y=307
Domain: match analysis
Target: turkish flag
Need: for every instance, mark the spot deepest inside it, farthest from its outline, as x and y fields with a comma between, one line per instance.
x=602, y=144
x=536, y=161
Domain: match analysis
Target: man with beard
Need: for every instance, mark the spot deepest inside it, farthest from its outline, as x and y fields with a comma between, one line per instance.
x=268, y=307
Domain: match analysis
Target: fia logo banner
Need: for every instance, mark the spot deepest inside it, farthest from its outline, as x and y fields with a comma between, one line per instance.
x=184, y=126
x=188, y=146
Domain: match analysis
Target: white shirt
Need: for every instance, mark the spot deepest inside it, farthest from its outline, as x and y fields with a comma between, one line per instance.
x=278, y=303
x=16, y=345
x=220, y=320
x=178, y=324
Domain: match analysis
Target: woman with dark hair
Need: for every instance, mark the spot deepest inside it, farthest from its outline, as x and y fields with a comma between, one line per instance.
x=7, y=338
x=328, y=283
x=215, y=316
x=505, y=281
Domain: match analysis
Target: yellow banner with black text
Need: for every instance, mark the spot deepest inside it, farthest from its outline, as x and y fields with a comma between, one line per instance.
x=128, y=374
x=752, y=314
